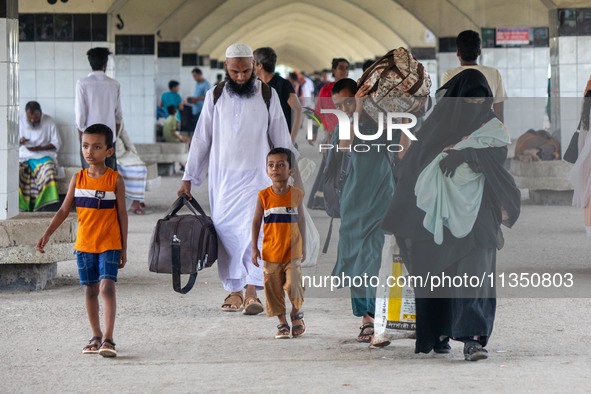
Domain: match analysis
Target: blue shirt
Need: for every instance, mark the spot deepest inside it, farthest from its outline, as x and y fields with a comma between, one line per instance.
x=200, y=89
x=172, y=98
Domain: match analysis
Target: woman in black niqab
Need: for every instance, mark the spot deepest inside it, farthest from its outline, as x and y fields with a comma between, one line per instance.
x=463, y=106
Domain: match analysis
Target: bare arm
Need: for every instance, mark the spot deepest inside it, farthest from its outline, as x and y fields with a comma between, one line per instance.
x=256, y=229
x=122, y=214
x=59, y=217
x=302, y=227
x=296, y=106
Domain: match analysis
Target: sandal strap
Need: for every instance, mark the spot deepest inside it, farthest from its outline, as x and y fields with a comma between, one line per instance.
x=109, y=341
x=283, y=328
x=297, y=316
x=100, y=339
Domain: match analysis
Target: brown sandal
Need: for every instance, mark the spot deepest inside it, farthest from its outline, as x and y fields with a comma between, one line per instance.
x=252, y=306
x=108, y=348
x=233, y=302
x=298, y=329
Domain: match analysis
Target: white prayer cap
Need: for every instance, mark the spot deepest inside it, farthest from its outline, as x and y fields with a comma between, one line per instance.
x=238, y=50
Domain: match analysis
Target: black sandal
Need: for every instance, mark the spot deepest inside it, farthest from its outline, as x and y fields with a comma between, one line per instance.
x=366, y=333
x=282, y=331
x=301, y=328
x=93, y=346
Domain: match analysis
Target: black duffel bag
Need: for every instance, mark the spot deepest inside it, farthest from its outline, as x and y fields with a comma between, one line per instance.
x=183, y=244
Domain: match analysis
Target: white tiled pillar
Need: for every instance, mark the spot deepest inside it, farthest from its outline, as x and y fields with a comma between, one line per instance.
x=9, y=110
x=136, y=75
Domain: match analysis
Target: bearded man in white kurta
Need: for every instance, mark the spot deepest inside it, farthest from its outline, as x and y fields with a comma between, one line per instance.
x=230, y=144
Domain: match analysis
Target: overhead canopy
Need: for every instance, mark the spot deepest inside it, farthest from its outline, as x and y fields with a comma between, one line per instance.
x=307, y=34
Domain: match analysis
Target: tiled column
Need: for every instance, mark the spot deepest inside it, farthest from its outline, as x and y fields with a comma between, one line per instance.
x=9, y=109
x=570, y=59
x=135, y=69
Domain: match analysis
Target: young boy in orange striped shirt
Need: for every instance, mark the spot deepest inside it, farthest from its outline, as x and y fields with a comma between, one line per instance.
x=284, y=235
x=101, y=241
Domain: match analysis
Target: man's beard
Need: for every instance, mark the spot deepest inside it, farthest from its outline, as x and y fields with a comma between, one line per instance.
x=246, y=90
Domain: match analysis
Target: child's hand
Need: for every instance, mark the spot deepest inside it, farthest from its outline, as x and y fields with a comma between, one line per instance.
x=122, y=258
x=256, y=255
x=303, y=254
x=41, y=243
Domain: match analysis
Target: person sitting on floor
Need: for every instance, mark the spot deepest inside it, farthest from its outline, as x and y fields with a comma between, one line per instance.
x=39, y=142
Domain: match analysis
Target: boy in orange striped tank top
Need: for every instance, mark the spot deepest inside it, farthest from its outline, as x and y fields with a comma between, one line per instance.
x=101, y=240
x=284, y=235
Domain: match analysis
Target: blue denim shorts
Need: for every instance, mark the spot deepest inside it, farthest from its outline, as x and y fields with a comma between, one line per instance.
x=93, y=267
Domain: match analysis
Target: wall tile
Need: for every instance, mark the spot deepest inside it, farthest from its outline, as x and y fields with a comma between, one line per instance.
x=583, y=75
x=3, y=77
x=137, y=106
x=27, y=56
x=540, y=78
x=124, y=85
x=45, y=83
x=122, y=65
x=79, y=55
x=48, y=106
x=527, y=78
x=44, y=56
x=4, y=173
x=136, y=64
x=64, y=111
x=3, y=126
x=527, y=57
x=28, y=86
x=137, y=85
x=126, y=107
x=513, y=79
x=4, y=54
x=12, y=167
x=541, y=57
x=583, y=50
x=514, y=57
x=567, y=50
x=64, y=56
x=65, y=86
x=568, y=79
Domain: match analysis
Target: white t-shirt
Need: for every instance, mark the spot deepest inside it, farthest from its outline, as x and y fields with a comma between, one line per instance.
x=492, y=75
x=44, y=134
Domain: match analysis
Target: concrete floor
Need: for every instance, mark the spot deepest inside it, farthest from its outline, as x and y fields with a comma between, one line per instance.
x=169, y=342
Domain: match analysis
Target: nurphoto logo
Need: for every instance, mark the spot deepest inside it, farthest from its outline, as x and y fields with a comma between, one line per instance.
x=393, y=122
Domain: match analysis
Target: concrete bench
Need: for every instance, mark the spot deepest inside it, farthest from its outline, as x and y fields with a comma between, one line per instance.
x=165, y=154
x=152, y=183
x=21, y=266
x=546, y=181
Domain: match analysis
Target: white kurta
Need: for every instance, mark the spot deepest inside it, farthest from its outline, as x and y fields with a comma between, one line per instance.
x=230, y=144
x=44, y=134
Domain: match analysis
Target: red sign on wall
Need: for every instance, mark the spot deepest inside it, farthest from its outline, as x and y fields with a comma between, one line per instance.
x=515, y=36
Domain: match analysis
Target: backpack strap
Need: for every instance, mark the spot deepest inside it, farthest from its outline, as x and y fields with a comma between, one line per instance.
x=267, y=94
x=217, y=91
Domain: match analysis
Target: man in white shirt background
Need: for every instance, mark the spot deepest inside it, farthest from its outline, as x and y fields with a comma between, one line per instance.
x=39, y=142
x=468, y=43
x=98, y=99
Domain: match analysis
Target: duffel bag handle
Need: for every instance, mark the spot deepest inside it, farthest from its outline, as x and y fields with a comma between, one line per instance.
x=191, y=204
